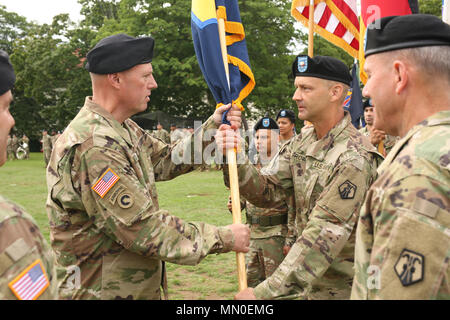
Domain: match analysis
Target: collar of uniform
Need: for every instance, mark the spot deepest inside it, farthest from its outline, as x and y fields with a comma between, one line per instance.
x=96, y=108
x=439, y=118
x=319, y=148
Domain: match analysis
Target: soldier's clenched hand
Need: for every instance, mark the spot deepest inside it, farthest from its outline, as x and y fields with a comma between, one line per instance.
x=226, y=138
x=234, y=115
x=241, y=234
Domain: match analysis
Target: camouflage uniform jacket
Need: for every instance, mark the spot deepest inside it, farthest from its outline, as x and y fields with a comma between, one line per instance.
x=403, y=234
x=286, y=206
x=119, y=238
x=163, y=135
x=22, y=246
x=46, y=142
x=389, y=142
x=329, y=179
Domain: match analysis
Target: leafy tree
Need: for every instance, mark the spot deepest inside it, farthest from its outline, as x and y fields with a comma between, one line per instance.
x=182, y=90
x=51, y=81
x=12, y=26
x=433, y=7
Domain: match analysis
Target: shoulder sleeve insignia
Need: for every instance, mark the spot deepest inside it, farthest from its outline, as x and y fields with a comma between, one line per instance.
x=126, y=200
x=347, y=190
x=31, y=282
x=410, y=267
x=105, y=182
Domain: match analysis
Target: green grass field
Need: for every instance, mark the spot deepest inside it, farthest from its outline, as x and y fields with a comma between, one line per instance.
x=197, y=196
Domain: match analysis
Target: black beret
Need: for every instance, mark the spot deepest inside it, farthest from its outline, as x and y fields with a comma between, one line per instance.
x=285, y=113
x=266, y=123
x=367, y=103
x=118, y=53
x=323, y=67
x=409, y=31
x=7, y=76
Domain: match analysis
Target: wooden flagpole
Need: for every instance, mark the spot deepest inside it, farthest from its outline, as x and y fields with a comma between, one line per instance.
x=311, y=29
x=232, y=167
x=310, y=37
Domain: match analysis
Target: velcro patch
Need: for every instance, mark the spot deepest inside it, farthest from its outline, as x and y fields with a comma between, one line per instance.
x=410, y=267
x=347, y=190
x=126, y=200
x=105, y=182
x=31, y=282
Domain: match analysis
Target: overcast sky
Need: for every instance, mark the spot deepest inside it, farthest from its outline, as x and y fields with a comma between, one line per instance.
x=43, y=11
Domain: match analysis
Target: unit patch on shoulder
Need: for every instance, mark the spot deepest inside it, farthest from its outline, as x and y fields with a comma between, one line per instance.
x=410, y=267
x=31, y=282
x=126, y=200
x=105, y=182
x=347, y=190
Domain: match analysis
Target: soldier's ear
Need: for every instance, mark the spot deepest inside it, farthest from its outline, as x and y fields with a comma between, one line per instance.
x=336, y=92
x=114, y=80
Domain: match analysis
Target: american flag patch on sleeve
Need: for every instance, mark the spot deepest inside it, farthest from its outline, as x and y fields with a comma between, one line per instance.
x=31, y=282
x=105, y=183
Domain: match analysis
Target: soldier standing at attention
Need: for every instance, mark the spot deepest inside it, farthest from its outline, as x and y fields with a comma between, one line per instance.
x=286, y=123
x=9, y=148
x=268, y=226
x=26, y=141
x=377, y=137
x=162, y=134
x=46, y=146
x=403, y=234
x=175, y=134
x=27, y=269
x=102, y=203
x=328, y=168
x=14, y=145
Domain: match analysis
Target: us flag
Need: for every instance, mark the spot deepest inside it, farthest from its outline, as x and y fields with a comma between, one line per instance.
x=106, y=182
x=31, y=283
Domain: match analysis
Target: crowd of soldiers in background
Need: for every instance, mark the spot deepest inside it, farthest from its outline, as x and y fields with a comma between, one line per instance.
x=18, y=148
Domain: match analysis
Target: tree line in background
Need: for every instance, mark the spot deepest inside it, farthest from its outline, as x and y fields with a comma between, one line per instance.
x=49, y=59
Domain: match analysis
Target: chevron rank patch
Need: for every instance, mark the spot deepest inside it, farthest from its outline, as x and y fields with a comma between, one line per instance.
x=31, y=282
x=105, y=182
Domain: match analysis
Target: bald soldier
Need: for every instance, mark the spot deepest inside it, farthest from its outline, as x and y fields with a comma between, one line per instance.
x=27, y=268
x=102, y=203
x=328, y=168
x=403, y=234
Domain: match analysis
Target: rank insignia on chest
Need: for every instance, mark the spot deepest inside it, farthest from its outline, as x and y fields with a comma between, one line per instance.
x=347, y=190
x=410, y=267
x=31, y=282
x=105, y=182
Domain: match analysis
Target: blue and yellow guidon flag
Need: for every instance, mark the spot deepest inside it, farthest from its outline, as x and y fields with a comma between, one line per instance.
x=205, y=34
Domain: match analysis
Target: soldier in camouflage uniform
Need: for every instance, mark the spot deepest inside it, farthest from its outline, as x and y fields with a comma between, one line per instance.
x=9, y=148
x=175, y=134
x=23, y=250
x=162, y=134
x=383, y=142
x=328, y=168
x=103, y=205
x=403, y=234
x=286, y=122
x=268, y=226
x=46, y=146
x=14, y=145
x=26, y=141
